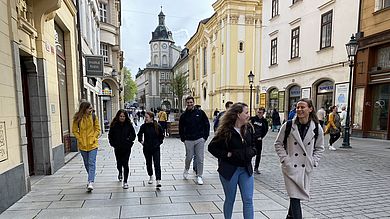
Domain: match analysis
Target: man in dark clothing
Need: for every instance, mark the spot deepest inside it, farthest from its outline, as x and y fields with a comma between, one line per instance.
x=194, y=129
x=261, y=128
x=216, y=121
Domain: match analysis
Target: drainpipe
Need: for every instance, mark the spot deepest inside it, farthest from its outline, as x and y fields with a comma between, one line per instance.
x=81, y=72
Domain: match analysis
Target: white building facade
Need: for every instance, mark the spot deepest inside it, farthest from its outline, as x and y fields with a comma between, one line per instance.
x=304, y=52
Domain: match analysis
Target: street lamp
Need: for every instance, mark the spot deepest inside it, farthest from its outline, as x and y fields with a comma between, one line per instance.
x=250, y=77
x=351, y=47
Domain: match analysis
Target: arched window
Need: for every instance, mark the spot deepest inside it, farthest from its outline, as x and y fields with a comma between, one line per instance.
x=294, y=96
x=164, y=60
x=273, y=99
x=325, y=94
x=156, y=59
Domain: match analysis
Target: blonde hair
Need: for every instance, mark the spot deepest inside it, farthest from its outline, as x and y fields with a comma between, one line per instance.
x=84, y=106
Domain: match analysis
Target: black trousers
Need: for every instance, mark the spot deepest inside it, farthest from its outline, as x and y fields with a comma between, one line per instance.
x=294, y=210
x=259, y=148
x=153, y=156
x=333, y=138
x=122, y=161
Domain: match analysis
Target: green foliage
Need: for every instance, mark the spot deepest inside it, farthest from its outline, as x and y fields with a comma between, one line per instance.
x=129, y=85
x=179, y=84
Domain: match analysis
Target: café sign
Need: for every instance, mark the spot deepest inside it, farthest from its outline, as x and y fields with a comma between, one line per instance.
x=94, y=66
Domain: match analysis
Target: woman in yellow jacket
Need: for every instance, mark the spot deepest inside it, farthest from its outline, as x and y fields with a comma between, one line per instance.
x=333, y=127
x=86, y=129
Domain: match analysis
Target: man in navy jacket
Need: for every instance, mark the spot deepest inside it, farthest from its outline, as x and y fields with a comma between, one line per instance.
x=194, y=129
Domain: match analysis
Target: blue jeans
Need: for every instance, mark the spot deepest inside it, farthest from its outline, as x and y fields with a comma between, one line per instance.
x=89, y=158
x=245, y=181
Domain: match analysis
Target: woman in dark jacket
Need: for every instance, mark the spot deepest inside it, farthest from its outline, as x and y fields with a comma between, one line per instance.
x=275, y=120
x=234, y=148
x=153, y=137
x=121, y=137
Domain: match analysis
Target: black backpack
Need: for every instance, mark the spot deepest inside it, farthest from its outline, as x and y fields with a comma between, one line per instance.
x=288, y=130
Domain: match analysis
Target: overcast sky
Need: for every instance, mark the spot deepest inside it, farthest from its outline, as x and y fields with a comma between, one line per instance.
x=140, y=18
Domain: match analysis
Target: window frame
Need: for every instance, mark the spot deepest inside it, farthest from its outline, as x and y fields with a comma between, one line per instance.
x=294, y=49
x=324, y=43
x=274, y=8
x=103, y=12
x=274, y=51
x=204, y=61
x=105, y=52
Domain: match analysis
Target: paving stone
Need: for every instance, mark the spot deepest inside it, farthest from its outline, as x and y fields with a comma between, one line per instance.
x=111, y=202
x=29, y=206
x=19, y=214
x=204, y=207
x=66, y=204
x=155, y=200
x=195, y=198
x=101, y=212
x=173, y=209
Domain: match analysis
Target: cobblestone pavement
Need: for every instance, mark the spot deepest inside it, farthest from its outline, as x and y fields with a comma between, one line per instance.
x=351, y=183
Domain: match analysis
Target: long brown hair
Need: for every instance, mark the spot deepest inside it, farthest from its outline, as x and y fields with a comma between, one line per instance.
x=84, y=106
x=228, y=120
x=155, y=124
x=116, y=118
x=312, y=116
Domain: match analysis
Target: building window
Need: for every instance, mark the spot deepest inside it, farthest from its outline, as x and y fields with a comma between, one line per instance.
x=274, y=52
x=103, y=12
x=204, y=61
x=275, y=8
x=383, y=58
x=164, y=60
x=273, y=99
x=326, y=29
x=241, y=46
x=104, y=52
x=295, y=43
x=156, y=59
x=162, y=75
x=381, y=4
x=193, y=68
x=204, y=93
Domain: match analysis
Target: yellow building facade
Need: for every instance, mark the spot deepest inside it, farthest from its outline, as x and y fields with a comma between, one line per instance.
x=222, y=52
x=39, y=90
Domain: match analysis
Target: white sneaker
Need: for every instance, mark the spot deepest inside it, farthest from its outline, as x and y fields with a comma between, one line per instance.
x=125, y=186
x=90, y=186
x=150, y=180
x=331, y=148
x=185, y=174
x=199, y=180
x=158, y=183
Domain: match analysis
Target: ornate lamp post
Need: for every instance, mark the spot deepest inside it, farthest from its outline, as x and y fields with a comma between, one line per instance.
x=351, y=47
x=250, y=77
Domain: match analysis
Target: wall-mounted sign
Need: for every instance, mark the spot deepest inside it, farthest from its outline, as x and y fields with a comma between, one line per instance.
x=94, y=66
x=306, y=92
x=3, y=143
x=263, y=100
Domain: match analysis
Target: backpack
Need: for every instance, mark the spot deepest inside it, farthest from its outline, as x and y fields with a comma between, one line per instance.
x=288, y=130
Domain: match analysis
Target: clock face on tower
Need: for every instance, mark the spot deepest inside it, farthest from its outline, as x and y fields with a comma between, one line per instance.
x=164, y=46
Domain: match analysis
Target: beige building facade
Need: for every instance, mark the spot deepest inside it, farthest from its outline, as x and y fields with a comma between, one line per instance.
x=222, y=52
x=39, y=67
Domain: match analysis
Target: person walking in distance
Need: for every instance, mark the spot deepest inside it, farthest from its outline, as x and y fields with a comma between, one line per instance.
x=261, y=128
x=321, y=114
x=343, y=119
x=216, y=120
x=333, y=127
x=194, y=129
x=233, y=145
x=121, y=137
x=151, y=136
x=86, y=129
x=299, y=146
x=275, y=120
x=162, y=120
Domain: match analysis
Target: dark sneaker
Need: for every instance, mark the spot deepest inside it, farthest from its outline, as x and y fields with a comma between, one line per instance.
x=257, y=171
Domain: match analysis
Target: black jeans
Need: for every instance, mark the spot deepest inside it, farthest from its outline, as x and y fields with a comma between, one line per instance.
x=122, y=161
x=153, y=155
x=294, y=211
x=259, y=148
x=333, y=138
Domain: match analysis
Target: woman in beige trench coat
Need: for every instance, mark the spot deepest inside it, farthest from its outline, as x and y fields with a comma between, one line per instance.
x=300, y=155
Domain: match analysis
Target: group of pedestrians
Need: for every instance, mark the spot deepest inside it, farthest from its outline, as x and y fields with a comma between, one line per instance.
x=238, y=138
